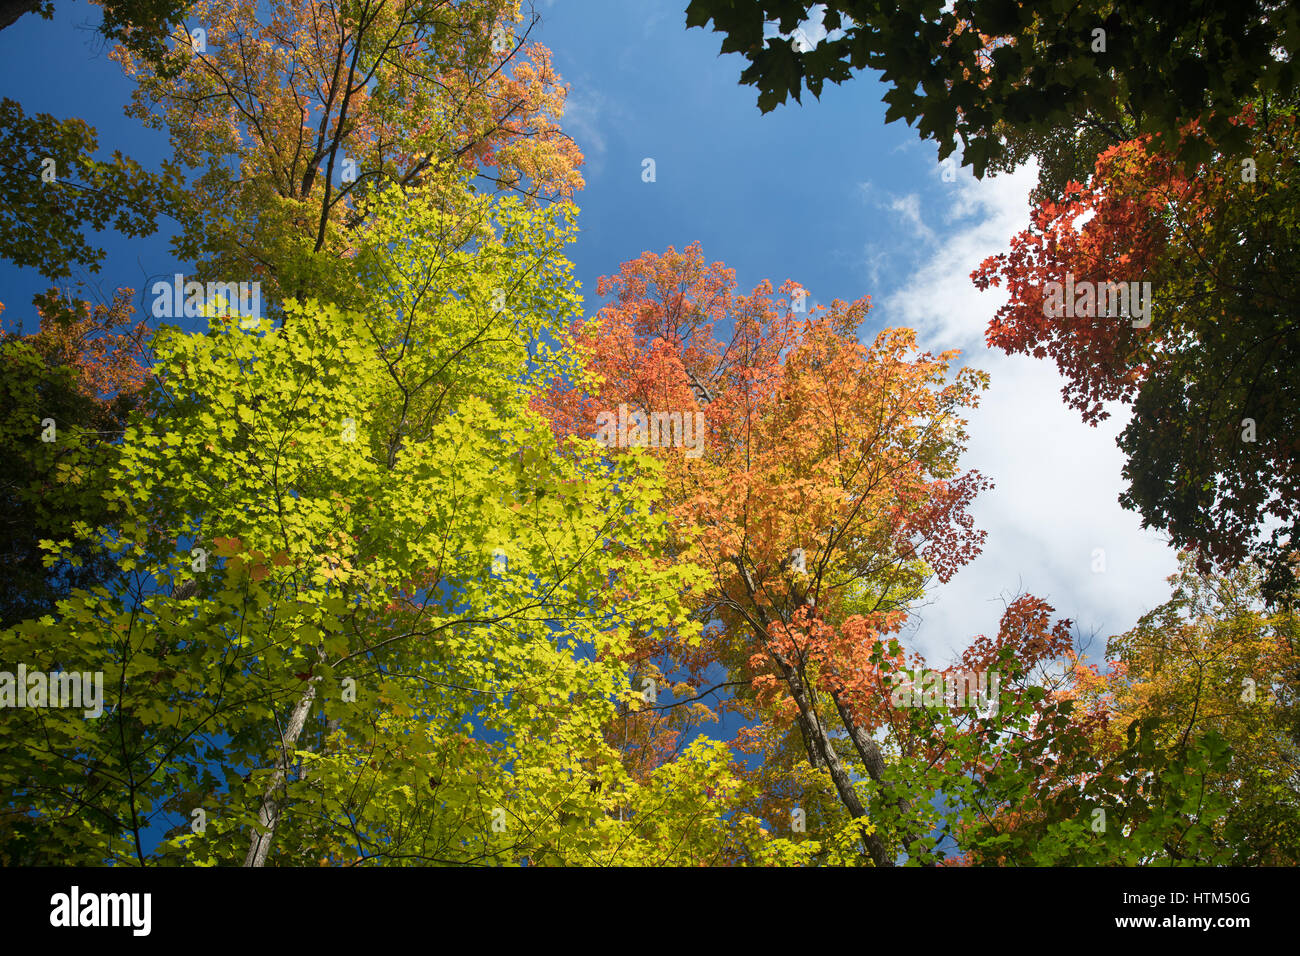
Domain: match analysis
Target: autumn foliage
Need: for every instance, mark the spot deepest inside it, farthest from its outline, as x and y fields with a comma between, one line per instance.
x=1210, y=372
x=426, y=565
x=828, y=493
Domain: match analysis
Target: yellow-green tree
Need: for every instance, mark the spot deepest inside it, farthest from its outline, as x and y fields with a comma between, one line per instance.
x=1214, y=658
x=372, y=611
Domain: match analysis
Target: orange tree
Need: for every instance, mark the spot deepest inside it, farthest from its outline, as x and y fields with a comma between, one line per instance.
x=816, y=480
x=821, y=492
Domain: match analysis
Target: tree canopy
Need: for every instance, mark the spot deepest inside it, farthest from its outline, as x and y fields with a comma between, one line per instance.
x=370, y=542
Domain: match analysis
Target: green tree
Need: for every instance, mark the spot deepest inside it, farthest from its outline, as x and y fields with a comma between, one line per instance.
x=55, y=189
x=65, y=391
x=974, y=69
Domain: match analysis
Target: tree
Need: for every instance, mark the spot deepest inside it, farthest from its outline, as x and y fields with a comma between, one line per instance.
x=67, y=390
x=1054, y=782
x=292, y=117
x=824, y=497
x=976, y=68
x=1180, y=752
x=1207, y=363
x=1213, y=658
x=813, y=444
x=54, y=188
x=371, y=612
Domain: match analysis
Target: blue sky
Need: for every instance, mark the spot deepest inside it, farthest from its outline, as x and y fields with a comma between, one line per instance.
x=824, y=193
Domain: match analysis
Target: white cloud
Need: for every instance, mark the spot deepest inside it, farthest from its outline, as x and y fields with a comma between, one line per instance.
x=906, y=229
x=908, y=209
x=807, y=34
x=1056, y=479
x=872, y=261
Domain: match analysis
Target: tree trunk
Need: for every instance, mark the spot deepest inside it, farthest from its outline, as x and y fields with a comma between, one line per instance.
x=839, y=776
x=811, y=726
x=872, y=758
x=268, y=814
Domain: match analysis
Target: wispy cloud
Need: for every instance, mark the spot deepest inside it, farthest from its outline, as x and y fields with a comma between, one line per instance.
x=908, y=209
x=904, y=237
x=583, y=112
x=874, y=259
